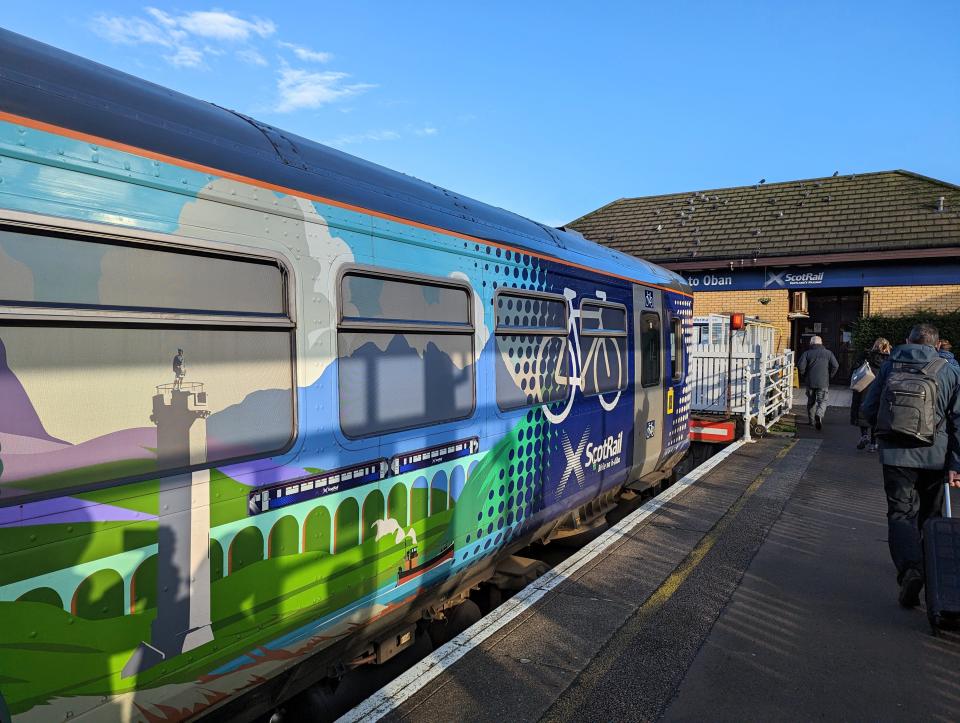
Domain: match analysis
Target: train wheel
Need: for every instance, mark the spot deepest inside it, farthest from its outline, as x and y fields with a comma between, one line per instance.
x=456, y=621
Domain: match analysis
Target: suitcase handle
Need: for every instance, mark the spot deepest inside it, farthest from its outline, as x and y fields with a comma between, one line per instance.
x=947, y=512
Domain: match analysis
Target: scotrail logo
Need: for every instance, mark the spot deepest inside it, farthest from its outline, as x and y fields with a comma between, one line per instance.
x=784, y=279
x=606, y=454
x=599, y=457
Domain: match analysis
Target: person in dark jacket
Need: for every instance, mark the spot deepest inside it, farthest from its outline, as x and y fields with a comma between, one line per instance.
x=945, y=351
x=913, y=476
x=818, y=366
x=878, y=354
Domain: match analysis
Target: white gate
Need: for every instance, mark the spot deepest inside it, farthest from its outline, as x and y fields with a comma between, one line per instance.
x=740, y=374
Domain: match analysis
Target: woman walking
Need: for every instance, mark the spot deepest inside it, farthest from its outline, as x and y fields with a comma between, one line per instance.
x=878, y=354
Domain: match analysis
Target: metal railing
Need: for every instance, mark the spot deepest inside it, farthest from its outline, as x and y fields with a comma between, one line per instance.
x=741, y=375
x=773, y=397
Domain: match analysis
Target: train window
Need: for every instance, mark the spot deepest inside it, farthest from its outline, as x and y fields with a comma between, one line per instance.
x=603, y=328
x=385, y=300
x=100, y=388
x=406, y=354
x=676, y=348
x=650, y=344
x=533, y=359
x=39, y=268
x=601, y=318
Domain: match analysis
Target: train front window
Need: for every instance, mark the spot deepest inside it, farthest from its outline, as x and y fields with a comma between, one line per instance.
x=405, y=352
x=650, y=349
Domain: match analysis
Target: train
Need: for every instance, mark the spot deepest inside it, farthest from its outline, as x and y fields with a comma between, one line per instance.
x=265, y=406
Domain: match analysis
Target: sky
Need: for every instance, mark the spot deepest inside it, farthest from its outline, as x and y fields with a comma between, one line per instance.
x=551, y=108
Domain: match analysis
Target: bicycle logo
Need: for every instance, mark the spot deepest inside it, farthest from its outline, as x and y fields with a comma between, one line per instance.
x=583, y=368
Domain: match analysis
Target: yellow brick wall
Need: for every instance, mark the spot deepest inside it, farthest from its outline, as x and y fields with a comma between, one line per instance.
x=889, y=300
x=775, y=312
x=896, y=300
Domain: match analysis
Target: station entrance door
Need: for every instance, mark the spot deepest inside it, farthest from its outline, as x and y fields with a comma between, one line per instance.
x=832, y=315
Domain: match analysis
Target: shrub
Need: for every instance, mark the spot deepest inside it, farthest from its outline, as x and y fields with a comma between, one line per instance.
x=896, y=328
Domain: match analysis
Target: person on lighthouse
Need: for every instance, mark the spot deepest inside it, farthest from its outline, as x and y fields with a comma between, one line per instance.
x=179, y=372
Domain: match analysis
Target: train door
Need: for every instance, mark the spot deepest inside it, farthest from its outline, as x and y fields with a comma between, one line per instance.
x=648, y=379
x=676, y=433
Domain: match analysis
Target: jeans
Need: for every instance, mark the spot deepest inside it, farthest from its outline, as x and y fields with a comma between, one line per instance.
x=913, y=496
x=816, y=403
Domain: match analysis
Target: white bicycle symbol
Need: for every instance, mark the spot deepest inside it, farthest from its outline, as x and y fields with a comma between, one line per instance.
x=578, y=365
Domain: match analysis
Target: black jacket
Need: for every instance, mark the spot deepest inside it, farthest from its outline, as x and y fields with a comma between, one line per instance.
x=818, y=366
x=945, y=452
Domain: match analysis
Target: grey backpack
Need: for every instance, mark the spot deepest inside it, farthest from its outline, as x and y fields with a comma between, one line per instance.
x=908, y=404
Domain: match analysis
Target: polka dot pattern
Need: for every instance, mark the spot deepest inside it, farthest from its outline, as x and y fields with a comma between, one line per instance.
x=678, y=432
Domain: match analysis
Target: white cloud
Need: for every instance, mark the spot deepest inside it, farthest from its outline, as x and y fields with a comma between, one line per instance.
x=185, y=57
x=306, y=54
x=251, y=57
x=189, y=39
x=304, y=89
x=175, y=32
x=131, y=31
x=361, y=137
x=224, y=26
x=163, y=18
x=383, y=135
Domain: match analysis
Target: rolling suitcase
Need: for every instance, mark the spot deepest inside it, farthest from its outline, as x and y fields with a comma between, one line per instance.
x=941, y=554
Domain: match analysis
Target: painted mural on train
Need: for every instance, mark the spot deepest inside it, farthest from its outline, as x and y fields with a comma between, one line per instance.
x=235, y=453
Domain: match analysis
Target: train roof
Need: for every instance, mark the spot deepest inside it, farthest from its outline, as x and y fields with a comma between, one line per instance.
x=46, y=84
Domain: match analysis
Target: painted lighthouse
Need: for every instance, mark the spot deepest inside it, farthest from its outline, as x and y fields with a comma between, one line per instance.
x=183, y=571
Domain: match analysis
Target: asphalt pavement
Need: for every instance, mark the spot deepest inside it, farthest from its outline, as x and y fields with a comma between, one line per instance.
x=814, y=630
x=763, y=592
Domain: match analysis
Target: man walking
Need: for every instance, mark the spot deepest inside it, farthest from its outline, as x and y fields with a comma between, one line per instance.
x=818, y=366
x=913, y=469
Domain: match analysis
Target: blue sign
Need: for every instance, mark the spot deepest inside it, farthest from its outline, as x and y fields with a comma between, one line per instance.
x=648, y=298
x=913, y=273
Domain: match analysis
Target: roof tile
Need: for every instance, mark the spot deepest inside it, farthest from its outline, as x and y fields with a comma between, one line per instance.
x=869, y=212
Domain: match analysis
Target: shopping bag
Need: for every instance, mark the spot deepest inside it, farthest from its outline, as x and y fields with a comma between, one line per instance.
x=861, y=378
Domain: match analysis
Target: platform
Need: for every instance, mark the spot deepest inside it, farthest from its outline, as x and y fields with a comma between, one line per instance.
x=761, y=591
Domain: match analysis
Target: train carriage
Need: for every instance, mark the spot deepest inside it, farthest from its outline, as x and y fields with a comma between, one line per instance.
x=264, y=404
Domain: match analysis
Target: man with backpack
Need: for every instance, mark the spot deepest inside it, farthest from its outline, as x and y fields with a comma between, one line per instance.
x=915, y=404
x=818, y=366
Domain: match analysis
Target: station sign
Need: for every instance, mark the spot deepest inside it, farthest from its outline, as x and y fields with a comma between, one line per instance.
x=914, y=273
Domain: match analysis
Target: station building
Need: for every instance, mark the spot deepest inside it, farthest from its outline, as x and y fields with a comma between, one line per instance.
x=808, y=256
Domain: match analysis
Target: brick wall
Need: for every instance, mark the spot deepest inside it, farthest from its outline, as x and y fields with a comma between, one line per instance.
x=890, y=300
x=775, y=312
x=895, y=300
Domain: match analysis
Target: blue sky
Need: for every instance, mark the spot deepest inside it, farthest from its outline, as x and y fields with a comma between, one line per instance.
x=552, y=109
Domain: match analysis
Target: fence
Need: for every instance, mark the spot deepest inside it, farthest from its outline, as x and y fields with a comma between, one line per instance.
x=740, y=373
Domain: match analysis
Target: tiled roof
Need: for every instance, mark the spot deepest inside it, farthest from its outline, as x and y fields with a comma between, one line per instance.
x=871, y=212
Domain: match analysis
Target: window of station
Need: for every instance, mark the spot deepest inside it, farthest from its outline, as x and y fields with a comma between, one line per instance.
x=136, y=360
x=676, y=348
x=603, y=331
x=405, y=352
x=532, y=361
x=650, y=349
